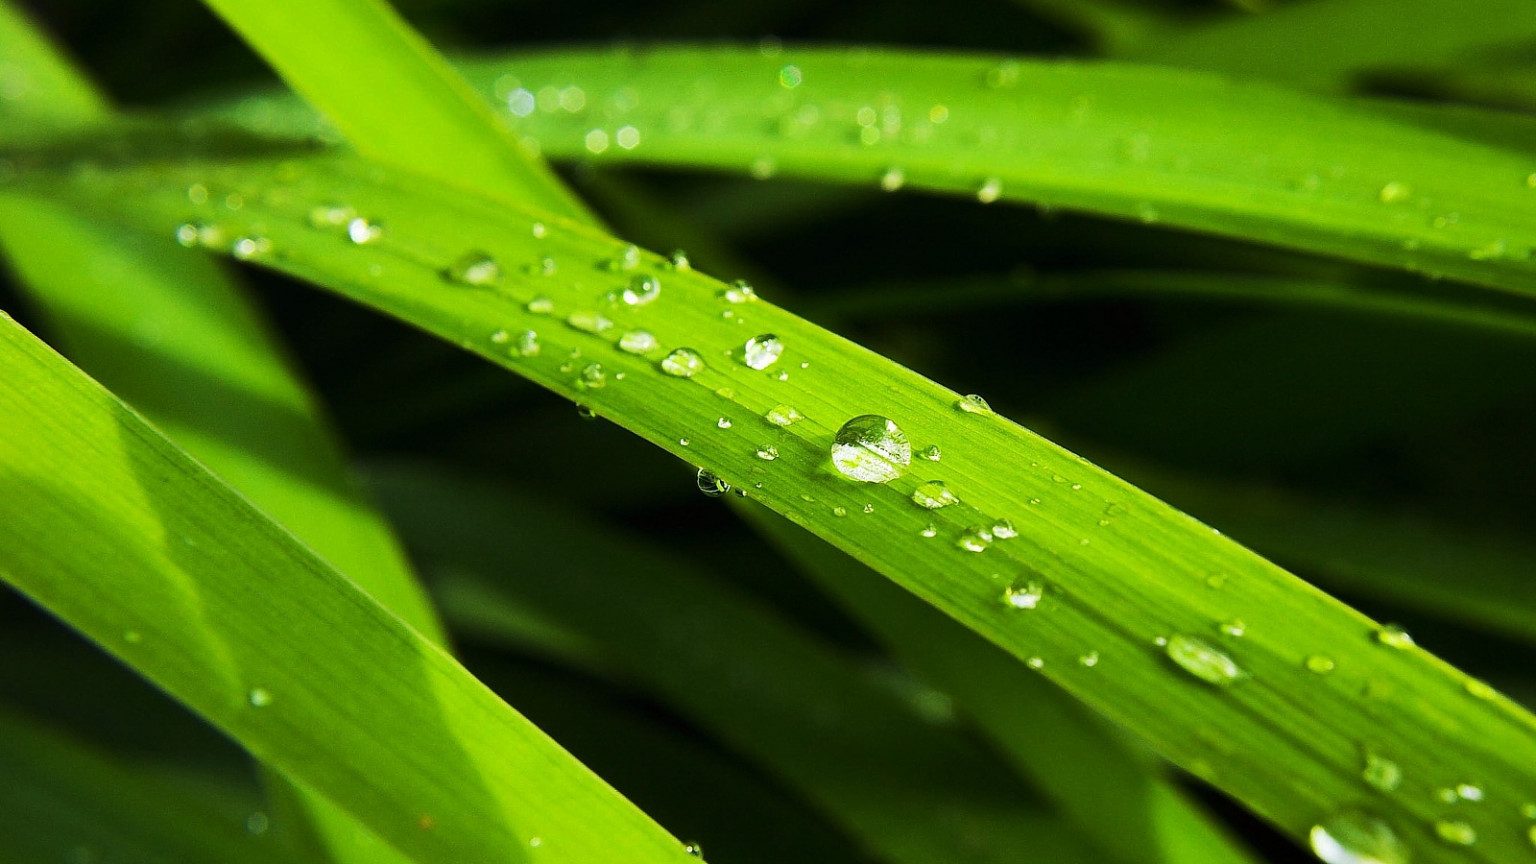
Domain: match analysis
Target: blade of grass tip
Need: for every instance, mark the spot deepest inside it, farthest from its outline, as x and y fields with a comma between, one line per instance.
x=1254, y=714
x=62, y=800
x=209, y=373
x=392, y=96
x=1076, y=761
x=1178, y=148
x=913, y=791
x=183, y=580
x=1329, y=46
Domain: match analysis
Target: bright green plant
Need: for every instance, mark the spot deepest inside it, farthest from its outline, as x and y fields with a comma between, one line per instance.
x=1000, y=651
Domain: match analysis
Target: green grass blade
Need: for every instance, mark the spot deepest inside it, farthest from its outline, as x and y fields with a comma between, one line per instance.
x=1119, y=569
x=43, y=86
x=911, y=791
x=393, y=97
x=183, y=580
x=1077, y=763
x=64, y=801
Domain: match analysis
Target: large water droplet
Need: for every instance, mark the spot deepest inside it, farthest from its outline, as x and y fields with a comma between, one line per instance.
x=475, y=268
x=933, y=495
x=1353, y=837
x=641, y=290
x=871, y=449
x=762, y=351
x=1203, y=660
x=682, y=363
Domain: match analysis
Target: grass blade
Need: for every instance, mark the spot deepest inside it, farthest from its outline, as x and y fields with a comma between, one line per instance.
x=393, y=97
x=1120, y=569
x=186, y=582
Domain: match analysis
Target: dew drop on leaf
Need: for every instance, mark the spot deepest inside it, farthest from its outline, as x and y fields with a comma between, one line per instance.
x=893, y=179
x=933, y=495
x=767, y=453
x=541, y=305
x=1023, y=595
x=783, y=415
x=1002, y=529
x=932, y=453
x=929, y=531
x=1320, y=664
x=593, y=376
x=973, y=404
x=723, y=423
x=259, y=698
x=694, y=849
x=1355, y=837
x=360, y=231
x=975, y=539
x=682, y=363
x=1394, y=636
x=990, y=190
x=679, y=260
x=710, y=484
x=1381, y=773
x=474, y=268
x=1394, y=192
x=641, y=290
x=762, y=351
x=589, y=322
x=871, y=449
x=1455, y=832
x=1203, y=660
x=525, y=344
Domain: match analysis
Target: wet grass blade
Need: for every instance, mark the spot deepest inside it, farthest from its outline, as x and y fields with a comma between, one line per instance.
x=1278, y=716
x=910, y=790
x=183, y=580
x=393, y=97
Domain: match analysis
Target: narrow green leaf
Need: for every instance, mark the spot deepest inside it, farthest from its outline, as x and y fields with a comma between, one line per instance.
x=1121, y=573
x=393, y=97
x=182, y=579
x=41, y=85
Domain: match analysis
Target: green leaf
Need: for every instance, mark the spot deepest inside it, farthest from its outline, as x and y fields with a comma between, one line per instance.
x=1119, y=572
x=182, y=579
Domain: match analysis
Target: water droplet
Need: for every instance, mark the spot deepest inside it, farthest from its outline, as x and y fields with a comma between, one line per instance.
x=1090, y=660
x=767, y=454
x=1380, y=772
x=783, y=415
x=589, y=322
x=593, y=376
x=694, y=849
x=1035, y=662
x=1394, y=636
x=360, y=230
x=679, y=260
x=990, y=190
x=257, y=823
x=331, y=215
x=1002, y=529
x=725, y=393
x=259, y=698
x=790, y=77
x=1528, y=810
x=540, y=231
x=932, y=453
x=762, y=351
x=933, y=495
x=1530, y=835
x=1203, y=660
x=975, y=539
x=1353, y=837
x=641, y=290
x=535, y=842
x=763, y=168
x=740, y=292
x=684, y=442
x=133, y=637
x=839, y=512
x=541, y=305
x=869, y=508
x=1446, y=795
x=973, y=404
x=475, y=268
x=930, y=531
x=1023, y=595
x=871, y=449
x=246, y=248
x=682, y=363
x=524, y=344
x=637, y=342
x=723, y=423
x=710, y=484
x=1320, y=664
x=628, y=137
x=1455, y=832
x=1469, y=792
x=585, y=412
x=893, y=178
x=1394, y=192
x=1234, y=627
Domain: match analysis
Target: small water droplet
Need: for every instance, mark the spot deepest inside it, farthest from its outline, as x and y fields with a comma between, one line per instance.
x=1528, y=810
x=723, y=423
x=541, y=305
x=740, y=291
x=593, y=376
x=246, y=248
x=133, y=637
x=259, y=698
x=540, y=231
x=710, y=484
x=990, y=190
x=933, y=495
x=1394, y=192
x=585, y=412
x=762, y=351
x=1469, y=792
x=1530, y=180
x=767, y=454
x=1090, y=660
x=893, y=179
x=1234, y=627
x=790, y=77
x=331, y=215
x=628, y=137
x=839, y=512
x=725, y=393
x=682, y=363
x=975, y=539
x=475, y=268
x=684, y=442
x=360, y=230
x=679, y=260
x=1320, y=664
x=257, y=823
x=589, y=322
x=763, y=168
x=641, y=290
x=1023, y=595
x=930, y=531
x=524, y=344
x=1203, y=660
x=783, y=415
x=1003, y=529
x=637, y=342
x=1035, y=662
x=1394, y=636
x=1380, y=772
x=1354, y=837
x=932, y=453
x=973, y=404
x=535, y=842
x=1455, y=832
x=871, y=449
x=869, y=508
